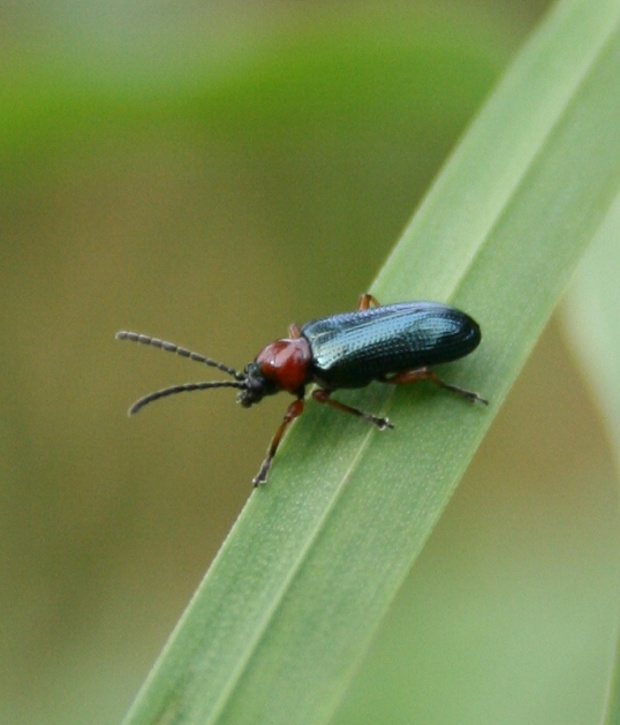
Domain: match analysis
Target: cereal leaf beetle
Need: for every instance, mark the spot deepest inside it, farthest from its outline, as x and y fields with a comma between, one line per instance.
x=392, y=344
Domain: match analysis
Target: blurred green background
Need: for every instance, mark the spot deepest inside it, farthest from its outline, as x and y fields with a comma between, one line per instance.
x=209, y=173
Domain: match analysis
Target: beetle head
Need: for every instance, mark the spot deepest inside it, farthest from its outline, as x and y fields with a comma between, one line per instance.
x=255, y=385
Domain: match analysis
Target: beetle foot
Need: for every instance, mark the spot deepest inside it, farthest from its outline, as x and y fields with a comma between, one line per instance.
x=381, y=423
x=261, y=477
x=469, y=395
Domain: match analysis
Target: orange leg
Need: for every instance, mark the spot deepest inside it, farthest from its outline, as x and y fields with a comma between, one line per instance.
x=295, y=409
x=366, y=300
x=322, y=396
x=412, y=376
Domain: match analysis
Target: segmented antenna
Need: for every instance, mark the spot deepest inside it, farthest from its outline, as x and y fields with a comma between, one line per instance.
x=183, y=388
x=182, y=351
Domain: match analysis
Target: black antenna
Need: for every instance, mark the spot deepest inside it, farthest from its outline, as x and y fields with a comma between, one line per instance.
x=182, y=351
x=239, y=382
x=183, y=388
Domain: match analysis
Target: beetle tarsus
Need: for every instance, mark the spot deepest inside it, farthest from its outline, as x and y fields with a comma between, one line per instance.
x=381, y=423
x=261, y=477
x=469, y=395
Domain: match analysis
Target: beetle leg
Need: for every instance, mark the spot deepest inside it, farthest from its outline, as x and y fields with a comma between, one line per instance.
x=322, y=396
x=295, y=409
x=294, y=331
x=412, y=376
x=366, y=300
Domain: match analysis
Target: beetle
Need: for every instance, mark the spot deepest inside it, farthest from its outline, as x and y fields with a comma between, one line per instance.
x=392, y=344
